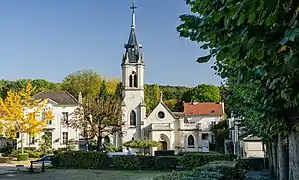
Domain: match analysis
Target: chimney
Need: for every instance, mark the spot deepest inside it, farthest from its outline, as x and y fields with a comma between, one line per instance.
x=222, y=106
x=80, y=98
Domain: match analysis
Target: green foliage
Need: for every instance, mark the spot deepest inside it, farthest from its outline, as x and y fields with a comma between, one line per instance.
x=5, y=159
x=45, y=144
x=202, y=93
x=31, y=153
x=79, y=159
x=190, y=161
x=171, y=104
x=224, y=170
x=87, y=82
x=133, y=162
x=166, y=162
x=221, y=133
x=255, y=44
x=164, y=153
x=141, y=143
x=22, y=157
x=108, y=147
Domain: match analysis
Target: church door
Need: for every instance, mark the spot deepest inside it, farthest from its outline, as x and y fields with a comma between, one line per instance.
x=164, y=145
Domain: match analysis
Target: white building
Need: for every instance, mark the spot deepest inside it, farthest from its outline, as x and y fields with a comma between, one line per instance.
x=62, y=105
x=176, y=131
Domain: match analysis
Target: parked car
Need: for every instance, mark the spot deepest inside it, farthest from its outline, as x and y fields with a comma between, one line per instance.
x=47, y=160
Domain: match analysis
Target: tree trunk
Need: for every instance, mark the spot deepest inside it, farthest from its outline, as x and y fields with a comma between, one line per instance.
x=269, y=155
x=293, y=155
x=282, y=157
x=22, y=147
x=99, y=141
x=274, y=159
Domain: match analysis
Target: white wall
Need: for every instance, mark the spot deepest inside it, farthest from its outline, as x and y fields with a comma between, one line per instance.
x=253, y=149
x=57, y=128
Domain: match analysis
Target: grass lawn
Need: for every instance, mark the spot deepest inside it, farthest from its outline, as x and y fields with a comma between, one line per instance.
x=79, y=174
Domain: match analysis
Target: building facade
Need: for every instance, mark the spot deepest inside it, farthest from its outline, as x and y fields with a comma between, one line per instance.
x=187, y=131
x=62, y=104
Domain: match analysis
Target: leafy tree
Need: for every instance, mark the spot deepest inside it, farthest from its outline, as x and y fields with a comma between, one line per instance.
x=87, y=82
x=202, y=93
x=45, y=144
x=141, y=143
x=20, y=113
x=256, y=48
x=171, y=104
x=98, y=116
x=221, y=133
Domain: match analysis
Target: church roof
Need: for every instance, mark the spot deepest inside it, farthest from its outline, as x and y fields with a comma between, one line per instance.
x=60, y=97
x=205, y=108
x=132, y=47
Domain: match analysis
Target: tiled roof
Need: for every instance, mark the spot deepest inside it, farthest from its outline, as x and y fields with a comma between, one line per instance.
x=204, y=108
x=60, y=97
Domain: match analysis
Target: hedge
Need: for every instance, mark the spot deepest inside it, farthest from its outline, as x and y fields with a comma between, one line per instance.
x=23, y=157
x=84, y=160
x=79, y=159
x=5, y=159
x=164, y=153
x=190, y=161
x=32, y=154
x=225, y=170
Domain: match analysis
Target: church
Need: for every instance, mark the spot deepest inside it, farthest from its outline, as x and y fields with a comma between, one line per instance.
x=179, y=131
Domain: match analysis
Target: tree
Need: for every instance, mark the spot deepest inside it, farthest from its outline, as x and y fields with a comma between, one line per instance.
x=202, y=93
x=21, y=113
x=87, y=82
x=141, y=143
x=171, y=104
x=99, y=116
x=256, y=48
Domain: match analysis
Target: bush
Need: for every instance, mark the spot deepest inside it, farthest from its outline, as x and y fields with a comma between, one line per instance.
x=191, y=161
x=224, y=170
x=196, y=152
x=253, y=164
x=23, y=157
x=164, y=153
x=79, y=159
x=32, y=154
x=166, y=162
x=5, y=159
x=133, y=162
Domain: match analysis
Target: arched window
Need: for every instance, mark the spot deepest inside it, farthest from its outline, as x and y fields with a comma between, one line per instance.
x=190, y=141
x=135, y=81
x=130, y=81
x=132, y=118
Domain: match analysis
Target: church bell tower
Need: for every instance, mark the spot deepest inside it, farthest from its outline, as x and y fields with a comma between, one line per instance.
x=133, y=85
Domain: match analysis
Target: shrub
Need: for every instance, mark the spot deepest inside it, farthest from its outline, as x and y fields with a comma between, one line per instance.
x=164, y=153
x=166, y=162
x=133, y=162
x=5, y=159
x=23, y=157
x=79, y=159
x=32, y=154
x=190, y=161
x=224, y=170
x=253, y=164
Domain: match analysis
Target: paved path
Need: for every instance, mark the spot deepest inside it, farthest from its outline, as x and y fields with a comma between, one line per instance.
x=254, y=175
x=77, y=174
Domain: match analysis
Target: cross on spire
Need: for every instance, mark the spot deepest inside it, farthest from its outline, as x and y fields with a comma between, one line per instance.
x=133, y=7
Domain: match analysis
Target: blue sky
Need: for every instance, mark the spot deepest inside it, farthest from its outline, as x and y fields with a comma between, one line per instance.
x=51, y=38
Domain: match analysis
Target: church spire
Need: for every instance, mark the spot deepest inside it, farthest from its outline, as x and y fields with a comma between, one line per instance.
x=132, y=47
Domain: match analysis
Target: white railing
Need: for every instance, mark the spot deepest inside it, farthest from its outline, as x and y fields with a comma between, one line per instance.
x=192, y=126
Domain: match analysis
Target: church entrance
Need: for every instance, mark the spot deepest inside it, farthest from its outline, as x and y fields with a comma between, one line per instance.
x=163, y=145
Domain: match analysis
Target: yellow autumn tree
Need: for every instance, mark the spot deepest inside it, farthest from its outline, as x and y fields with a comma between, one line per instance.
x=21, y=113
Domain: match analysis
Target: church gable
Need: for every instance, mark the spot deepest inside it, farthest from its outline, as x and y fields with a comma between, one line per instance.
x=161, y=114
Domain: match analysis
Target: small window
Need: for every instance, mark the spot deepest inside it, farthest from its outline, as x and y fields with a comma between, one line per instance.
x=130, y=81
x=204, y=136
x=191, y=141
x=161, y=114
x=31, y=140
x=135, y=81
x=132, y=118
x=64, y=138
x=65, y=117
